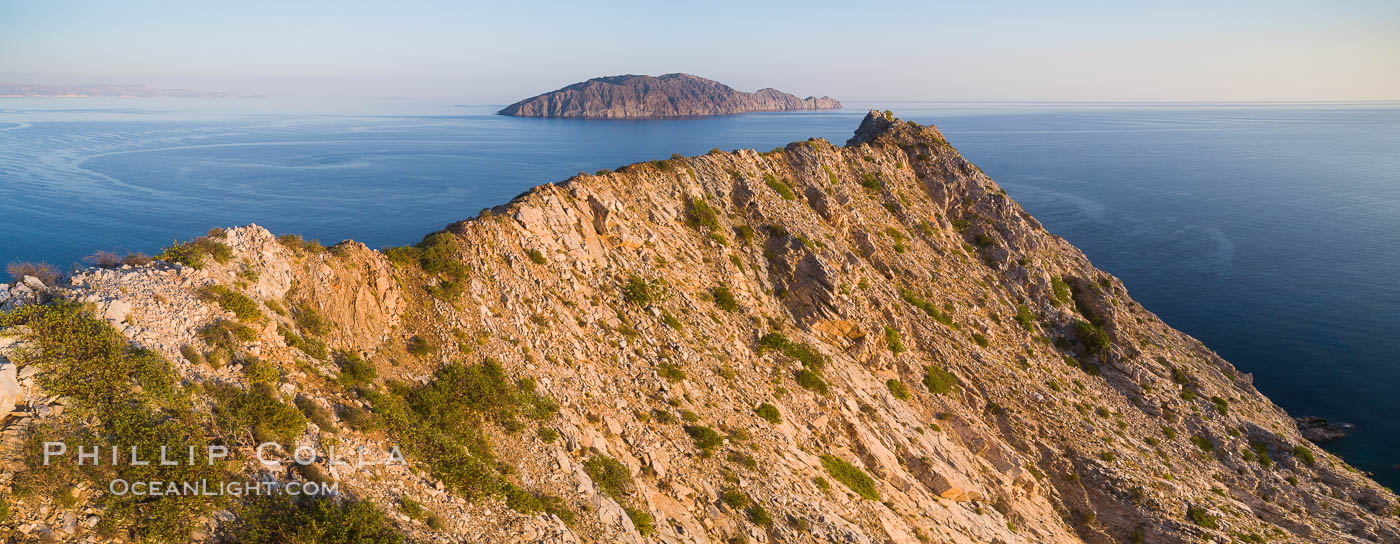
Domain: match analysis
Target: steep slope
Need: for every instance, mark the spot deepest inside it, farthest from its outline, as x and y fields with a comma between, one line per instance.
x=647, y=97
x=869, y=343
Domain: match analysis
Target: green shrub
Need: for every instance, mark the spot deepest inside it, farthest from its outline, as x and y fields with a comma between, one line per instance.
x=279, y=518
x=260, y=371
x=830, y=176
x=1202, y=442
x=670, y=320
x=309, y=320
x=1201, y=518
x=733, y=498
x=671, y=372
x=296, y=243
x=802, y=352
x=939, y=381
x=640, y=291
x=780, y=187
x=1261, y=453
x=705, y=438
x=358, y=418
x=700, y=216
x=192, y=355
x=419, y=346
x=527, y=502
x=981, y=339
x=611, y=476
x=1024, y=317
x=745, y=233
x=742, y=459
x=256, y=412
x=224, y=337
x=308, y=345
x=769, y=412
x=233, y=301
x=759, y=515
x=315, y=413
x=536, y=257
x=811, y=381
x=1094, y=339
x=460, y=394
x=642, y=520
x=355, y=371
x=724, y=298
x=870, y=182
x=1304, y=455
x=1180, y=377
x=897, y=389
x=447, y=289
x=412, y=509
x=895, y=235
x=927, y=307
x=440, y=423
x=893, y=341
x=436, y=254
x=850, y=475
x=1221, y=405
x=196, y=253
x=1063, y=295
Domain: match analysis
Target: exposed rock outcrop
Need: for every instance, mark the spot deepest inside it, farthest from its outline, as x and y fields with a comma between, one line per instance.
x=1319, y=430
x=857, y=344
x=666, y=96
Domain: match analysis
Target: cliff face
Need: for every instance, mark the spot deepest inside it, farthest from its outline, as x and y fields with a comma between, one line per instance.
x=670, y=95
x=869, y=343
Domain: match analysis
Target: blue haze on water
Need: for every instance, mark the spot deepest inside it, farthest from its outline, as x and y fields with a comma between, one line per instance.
x=1270, y=232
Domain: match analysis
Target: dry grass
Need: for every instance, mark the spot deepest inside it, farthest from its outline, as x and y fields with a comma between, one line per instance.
x=108, y=259
x=45, y=272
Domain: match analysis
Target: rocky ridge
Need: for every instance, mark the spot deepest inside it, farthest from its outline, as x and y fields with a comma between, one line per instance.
x=665, y=96
x=881, y=344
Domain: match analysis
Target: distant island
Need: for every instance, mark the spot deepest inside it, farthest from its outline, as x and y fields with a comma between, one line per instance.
x=659, y=97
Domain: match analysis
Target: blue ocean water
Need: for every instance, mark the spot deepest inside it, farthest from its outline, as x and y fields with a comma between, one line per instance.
x=1270, y=232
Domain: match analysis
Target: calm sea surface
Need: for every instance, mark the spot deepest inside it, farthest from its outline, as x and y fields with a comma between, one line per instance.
x=1270, y=232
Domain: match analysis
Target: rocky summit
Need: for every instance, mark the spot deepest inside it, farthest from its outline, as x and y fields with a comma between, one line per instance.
x=666, y=96
x=864, y=343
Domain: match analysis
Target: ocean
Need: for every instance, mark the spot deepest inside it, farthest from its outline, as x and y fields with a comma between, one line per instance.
x=1269, y=231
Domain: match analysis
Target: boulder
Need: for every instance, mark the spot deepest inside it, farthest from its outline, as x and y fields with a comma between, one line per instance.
x=11, y=392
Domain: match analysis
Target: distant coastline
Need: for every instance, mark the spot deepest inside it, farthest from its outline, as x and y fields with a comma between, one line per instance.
x=9, y=90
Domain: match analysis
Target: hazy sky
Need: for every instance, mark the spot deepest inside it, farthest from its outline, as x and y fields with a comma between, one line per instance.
x=500, y=52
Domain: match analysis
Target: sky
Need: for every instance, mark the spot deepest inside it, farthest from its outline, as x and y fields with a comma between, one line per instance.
x=493, y=53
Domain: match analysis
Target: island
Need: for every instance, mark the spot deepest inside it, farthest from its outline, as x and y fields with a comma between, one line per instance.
x=668, y=96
